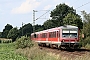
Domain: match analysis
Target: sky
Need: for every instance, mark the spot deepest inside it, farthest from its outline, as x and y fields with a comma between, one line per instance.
x=14, y=12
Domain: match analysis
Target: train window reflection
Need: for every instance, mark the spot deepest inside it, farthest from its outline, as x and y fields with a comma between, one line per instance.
x=65, y=35
x=69, y=35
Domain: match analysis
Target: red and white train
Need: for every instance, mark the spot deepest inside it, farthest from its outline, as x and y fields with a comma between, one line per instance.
x=60, y=37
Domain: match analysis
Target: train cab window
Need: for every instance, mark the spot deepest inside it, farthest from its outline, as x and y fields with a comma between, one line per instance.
x=69, y=33
x=73, y=35
x=65, y=35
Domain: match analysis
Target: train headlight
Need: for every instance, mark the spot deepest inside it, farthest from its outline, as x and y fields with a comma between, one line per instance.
x=62, y=40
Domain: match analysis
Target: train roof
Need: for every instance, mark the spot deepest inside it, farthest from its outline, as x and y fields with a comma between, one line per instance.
x=56, y=29
x=68, y=26
x=44, y=31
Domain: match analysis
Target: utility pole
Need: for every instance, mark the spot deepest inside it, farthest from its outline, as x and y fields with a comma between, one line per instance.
x=22, y=29
x=34, y=20
x=37, y=18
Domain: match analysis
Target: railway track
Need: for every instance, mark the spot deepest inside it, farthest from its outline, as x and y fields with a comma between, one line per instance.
x=71, y=53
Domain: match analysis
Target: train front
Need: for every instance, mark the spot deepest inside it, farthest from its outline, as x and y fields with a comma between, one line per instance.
x=70, y=37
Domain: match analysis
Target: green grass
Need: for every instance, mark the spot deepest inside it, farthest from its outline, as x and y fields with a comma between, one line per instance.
x=7, y=52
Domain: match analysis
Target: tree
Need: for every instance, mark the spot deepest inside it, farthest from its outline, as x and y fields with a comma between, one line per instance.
x=86, y=24
x=39, y=27
x=49, y=24
x=27, y=29
x=13, y=34
x=0, y=34
x=73, y=19
x=60, y=12
x=86, y=28
x=7, y=28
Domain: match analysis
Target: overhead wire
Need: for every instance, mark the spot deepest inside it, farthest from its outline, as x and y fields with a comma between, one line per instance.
x=82, y=5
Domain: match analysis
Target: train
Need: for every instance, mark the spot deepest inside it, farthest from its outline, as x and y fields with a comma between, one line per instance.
x=63, y=37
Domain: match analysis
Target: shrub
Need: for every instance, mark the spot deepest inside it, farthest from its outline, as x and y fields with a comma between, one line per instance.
x=87, y=40
x=23, y=42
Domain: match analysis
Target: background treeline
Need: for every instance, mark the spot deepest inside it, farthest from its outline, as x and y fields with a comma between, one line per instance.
x=61, y=15
x=11, y=32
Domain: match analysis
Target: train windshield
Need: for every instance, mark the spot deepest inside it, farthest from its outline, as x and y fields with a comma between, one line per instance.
x=69, y=33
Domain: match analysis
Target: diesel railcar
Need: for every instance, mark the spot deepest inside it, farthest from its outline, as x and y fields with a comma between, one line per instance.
x=59, y=37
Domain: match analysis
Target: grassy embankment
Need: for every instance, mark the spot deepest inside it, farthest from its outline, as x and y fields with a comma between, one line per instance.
x=9, y=52
x=34, y=53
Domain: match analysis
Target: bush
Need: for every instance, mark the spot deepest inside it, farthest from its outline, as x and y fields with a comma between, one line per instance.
x=85, y=41
x=23, y=42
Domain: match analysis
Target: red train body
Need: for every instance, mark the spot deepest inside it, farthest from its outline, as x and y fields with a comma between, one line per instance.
x=60, y=37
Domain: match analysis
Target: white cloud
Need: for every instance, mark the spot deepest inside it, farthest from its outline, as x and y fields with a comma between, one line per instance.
x=26, y=7
x=47, y=7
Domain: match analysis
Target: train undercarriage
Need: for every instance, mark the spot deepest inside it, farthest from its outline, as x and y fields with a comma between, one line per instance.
x=61, y=46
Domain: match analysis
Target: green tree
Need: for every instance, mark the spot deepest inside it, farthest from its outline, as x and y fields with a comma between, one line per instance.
x=0, y=34
x=86, y=28
x=13, y=34
x=39, y=27
x=73, y=19
x=48, y=24
x=7, y=28
x=60, y=12
x=86, y=24
x=27, y=29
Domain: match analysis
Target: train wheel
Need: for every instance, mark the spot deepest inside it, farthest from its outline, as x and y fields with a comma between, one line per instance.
x=59, y=48
x=51, y=46
x=44, y=45
x=39, y=44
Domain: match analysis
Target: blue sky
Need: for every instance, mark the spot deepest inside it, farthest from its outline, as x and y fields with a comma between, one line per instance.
x=15, y=12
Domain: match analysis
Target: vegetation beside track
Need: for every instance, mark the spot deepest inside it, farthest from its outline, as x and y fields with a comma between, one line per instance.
x=34, y=53
x=7, y=52
x=37, y=53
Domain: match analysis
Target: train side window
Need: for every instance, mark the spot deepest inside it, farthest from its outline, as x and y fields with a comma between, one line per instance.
x=45, y=35
x=36, y=35
x=50, y=34
x=54, y=34
x=40, y=35
x=57, y=33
